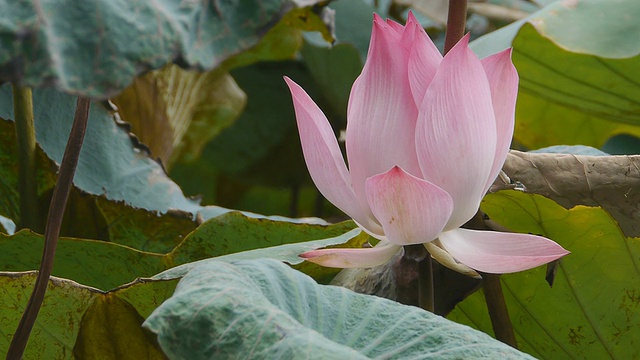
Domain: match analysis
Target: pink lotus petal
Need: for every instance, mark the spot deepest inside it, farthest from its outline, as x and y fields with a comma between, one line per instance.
x=503, y=80
x=408, y=34
x=323, y=157
x=398, y=28
x=381, y=115
x=352, y=258
x=498, y=252
x=411, y=210
x=456, y=131
x=424, y=60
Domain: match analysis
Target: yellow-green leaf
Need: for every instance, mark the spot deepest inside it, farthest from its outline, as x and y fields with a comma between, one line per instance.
x=592, y=309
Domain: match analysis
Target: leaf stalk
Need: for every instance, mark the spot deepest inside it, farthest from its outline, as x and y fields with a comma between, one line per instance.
x=26, y=142
x=426, y=293
x=498, y=312
x=52, y=230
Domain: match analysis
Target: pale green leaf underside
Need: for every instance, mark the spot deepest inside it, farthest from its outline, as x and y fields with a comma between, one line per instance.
x=96, y=48
x=109, y=163
x=262, y=309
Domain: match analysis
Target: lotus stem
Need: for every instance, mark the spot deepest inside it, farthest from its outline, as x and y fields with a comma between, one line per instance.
x=500, y=321
x=26, y=141
x=493, y=294
x=52, y=230
x=422, y=259
x=425, y=281
x=456, y=20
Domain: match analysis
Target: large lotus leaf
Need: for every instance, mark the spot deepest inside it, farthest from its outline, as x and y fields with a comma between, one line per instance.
x=110, y=162
x=287, y=253
x=99, y=264
x=577, y=65
x=77, y=321
x=76, y=259
x=233, y=232
x=95, y=217
x=90, y=216
x=127, y=168
x=234, y=235
x=586, y=27
x=97, y=48
x=592, y=309
x=264, y=309
x=570, y=98
x=102, y=328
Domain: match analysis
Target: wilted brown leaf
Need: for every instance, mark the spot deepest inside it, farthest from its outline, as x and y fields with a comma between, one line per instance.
x=612, y=182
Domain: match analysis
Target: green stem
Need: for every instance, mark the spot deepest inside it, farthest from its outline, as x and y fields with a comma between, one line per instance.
x=26, y=136
x=498, y=311
x=52, y=230
x=422, y=259
x=456, y=21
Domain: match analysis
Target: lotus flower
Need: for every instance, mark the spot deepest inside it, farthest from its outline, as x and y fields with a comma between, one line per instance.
x=426, y=136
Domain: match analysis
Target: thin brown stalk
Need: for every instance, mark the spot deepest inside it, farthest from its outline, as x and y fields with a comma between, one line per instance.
x=456, y=22
x=52, y=230
x=498, y=312
x=422, y=259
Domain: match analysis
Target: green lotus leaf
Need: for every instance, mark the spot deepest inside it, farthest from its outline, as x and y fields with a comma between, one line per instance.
x=264, y=309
